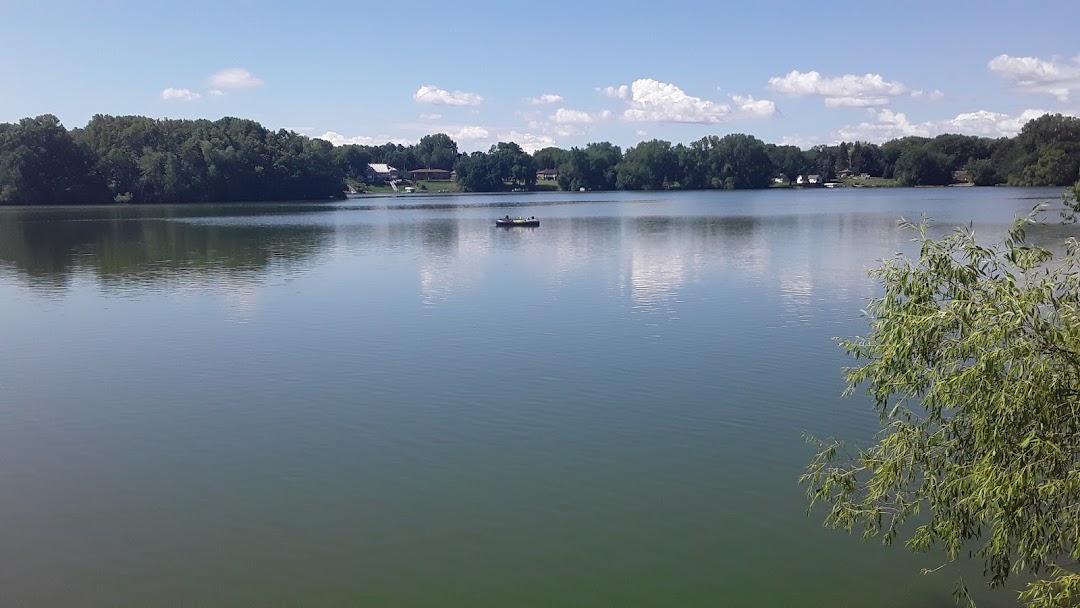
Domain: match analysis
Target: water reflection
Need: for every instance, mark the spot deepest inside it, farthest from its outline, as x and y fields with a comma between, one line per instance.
x=375, y=414
x=807, y=255
x=651, y=259
x=124, y=253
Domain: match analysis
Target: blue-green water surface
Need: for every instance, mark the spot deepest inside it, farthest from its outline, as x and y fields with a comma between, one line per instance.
x=392, y=402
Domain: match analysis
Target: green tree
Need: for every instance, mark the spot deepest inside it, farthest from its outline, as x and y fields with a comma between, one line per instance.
x=650, y=165
x=922, y=166
x=436, y=151
x=973, y=365
x=549, y=158
x=591, y=168
x=982, y=172
x=480, y=172
x=789, y=160
x=40, y=163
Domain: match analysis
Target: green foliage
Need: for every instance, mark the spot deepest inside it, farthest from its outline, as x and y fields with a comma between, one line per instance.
x=1047, y=152
x=490, y=172
x=437, y=151
x=982, y=172
x=651, y=165
x=138, y=159
x=922, y=166
x=549, y=158
x=788, y=161
x=41, y=163
x=973, y=365
x=591, y=168
x=144, y=160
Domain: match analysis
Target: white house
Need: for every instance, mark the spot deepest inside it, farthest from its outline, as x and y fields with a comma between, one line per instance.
x=379, y=173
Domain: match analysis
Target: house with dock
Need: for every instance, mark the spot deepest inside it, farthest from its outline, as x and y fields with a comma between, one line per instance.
x=380, y=173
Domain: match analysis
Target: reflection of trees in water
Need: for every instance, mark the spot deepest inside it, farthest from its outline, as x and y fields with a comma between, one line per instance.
x=47, y=247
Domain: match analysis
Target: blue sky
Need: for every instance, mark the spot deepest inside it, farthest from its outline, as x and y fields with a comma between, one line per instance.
x=549, y=73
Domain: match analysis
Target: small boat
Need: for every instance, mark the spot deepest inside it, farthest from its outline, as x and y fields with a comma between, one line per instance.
x=531, y=222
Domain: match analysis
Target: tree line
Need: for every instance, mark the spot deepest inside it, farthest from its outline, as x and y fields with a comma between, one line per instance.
x=145, y=160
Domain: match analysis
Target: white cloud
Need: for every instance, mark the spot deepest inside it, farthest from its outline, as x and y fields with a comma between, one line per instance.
x=1053, y=76
x=992, y=124
x=641, y=133
x=886, y=125
x=545, y=99
x=573, y=117
x=655, y=101
x=748, y=106
x=430, y=116
x=848, y=90
x=528, y=141
x=216, y=92
x=234, y=78
x=929, y=95
x=621, y=92
x=171, y=94
x=468, y=133
x=340, y=140
x=855, y=102
x=567, y=116
x=434, y=95
x=798, y=141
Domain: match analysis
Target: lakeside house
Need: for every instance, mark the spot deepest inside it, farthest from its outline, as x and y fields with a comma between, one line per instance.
x=379, y=173
x=433, y=175
x=808, y=180
x=547, y=175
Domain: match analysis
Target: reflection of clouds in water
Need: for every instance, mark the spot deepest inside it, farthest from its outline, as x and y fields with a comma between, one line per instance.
x=797, y=294
x=655, y=279
x=440, y=279
x=241, y=299
x=456, y=264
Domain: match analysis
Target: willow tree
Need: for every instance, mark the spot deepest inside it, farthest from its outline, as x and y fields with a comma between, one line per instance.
x=972, y=362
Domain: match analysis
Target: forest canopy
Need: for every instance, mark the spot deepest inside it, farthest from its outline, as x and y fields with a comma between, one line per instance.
x=146, y=160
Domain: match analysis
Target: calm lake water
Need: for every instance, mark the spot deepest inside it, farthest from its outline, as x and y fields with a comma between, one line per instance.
x=392, y=402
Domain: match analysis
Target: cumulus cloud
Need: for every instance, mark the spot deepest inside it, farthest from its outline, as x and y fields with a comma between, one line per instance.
x=567, y=116
x=929, y=95
x=620, y=92
x=234, y=78
x=528, y=141
x=798, y=141
x=434, y=95
x=430, y=116
x=848, y=90
x=468, y=133
x=1031, y=74
x=886, y=124
x=748, y=106
x=993, y=124
x=340, y=140
x=171, y=94
x=546, y=99
x=573, y=117
x=655, y=101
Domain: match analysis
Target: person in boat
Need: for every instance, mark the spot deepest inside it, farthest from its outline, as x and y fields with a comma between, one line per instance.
x=507, y=218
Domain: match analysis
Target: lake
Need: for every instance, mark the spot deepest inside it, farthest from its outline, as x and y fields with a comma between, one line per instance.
x=391, y=402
